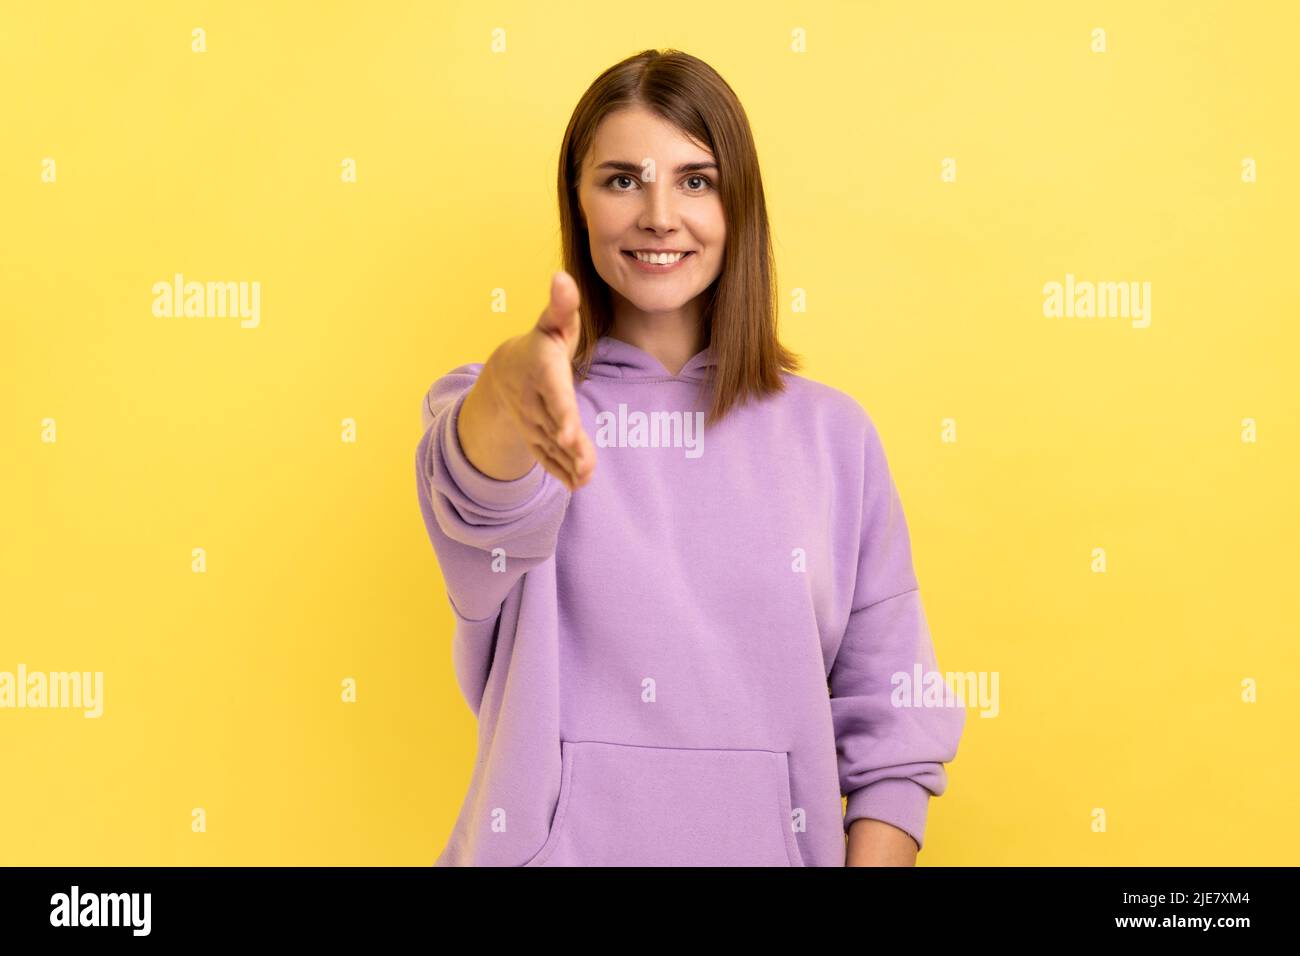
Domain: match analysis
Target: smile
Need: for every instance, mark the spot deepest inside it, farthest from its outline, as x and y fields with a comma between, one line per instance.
x=657, y=262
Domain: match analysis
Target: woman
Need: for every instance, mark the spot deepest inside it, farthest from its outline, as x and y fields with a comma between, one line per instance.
x=681, y=655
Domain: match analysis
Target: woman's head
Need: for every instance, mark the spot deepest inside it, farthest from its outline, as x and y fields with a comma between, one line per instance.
x=644, y=186
x=659, y=155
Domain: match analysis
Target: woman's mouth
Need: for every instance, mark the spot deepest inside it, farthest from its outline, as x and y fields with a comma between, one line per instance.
x=656, y=262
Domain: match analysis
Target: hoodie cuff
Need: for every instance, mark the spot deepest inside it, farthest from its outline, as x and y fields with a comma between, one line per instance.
x=898, y=801
x=484, y=490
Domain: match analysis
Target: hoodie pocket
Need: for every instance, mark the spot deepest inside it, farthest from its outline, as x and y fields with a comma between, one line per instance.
x=627, y=805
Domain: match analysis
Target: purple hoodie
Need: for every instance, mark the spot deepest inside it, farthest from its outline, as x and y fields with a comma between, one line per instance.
x=690, y=660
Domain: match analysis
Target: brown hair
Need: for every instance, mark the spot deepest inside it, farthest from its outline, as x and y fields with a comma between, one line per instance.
x=739, y=316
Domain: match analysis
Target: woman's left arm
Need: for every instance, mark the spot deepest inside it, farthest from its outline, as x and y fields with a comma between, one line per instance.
x=894, y=729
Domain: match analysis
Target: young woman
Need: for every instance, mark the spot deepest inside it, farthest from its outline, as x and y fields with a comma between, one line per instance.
x=680, y=573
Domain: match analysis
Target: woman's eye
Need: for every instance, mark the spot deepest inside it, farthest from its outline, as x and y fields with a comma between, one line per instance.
x=705, y=182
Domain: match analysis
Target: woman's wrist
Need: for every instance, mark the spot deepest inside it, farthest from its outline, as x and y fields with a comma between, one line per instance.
x=877, y=843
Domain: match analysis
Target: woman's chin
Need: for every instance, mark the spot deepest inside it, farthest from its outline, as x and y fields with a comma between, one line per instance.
x=663, y=301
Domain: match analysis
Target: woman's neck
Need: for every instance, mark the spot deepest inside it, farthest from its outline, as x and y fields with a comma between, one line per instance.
x=673, y=338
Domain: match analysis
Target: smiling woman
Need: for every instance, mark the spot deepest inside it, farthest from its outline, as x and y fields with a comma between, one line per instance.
x=681, y=657
x=657, y=160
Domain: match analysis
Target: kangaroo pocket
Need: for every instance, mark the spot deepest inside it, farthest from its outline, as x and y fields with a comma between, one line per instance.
x=627, y=805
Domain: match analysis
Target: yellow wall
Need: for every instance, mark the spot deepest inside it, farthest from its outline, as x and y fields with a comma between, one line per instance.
x=1119, y=691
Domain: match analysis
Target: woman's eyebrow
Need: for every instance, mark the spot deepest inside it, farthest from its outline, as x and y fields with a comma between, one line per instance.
x=624, y=166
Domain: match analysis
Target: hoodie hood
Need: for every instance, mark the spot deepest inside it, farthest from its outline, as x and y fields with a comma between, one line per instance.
x=614, y=358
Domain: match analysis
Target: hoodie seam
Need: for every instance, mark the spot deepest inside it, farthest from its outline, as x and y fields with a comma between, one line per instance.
x=658, y=378
x=868, y=607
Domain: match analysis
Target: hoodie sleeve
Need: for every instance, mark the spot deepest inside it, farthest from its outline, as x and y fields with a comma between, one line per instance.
x=891, y=757
x=486, y=533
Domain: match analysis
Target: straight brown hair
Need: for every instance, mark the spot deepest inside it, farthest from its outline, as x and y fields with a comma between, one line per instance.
x=739, y=316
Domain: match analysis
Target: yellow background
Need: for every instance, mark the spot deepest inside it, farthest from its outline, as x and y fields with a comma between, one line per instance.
x=1119, y=691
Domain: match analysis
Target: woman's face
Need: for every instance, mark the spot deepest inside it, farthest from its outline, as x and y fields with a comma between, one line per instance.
x=679, y=210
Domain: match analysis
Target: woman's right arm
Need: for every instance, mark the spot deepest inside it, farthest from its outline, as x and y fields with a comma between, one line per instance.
x=523, y=408
x=491, y=510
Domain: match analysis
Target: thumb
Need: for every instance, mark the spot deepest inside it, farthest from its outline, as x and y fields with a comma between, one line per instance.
x=560, y=318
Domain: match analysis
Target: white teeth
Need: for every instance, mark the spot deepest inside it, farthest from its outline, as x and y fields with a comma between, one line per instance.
x=659, y=258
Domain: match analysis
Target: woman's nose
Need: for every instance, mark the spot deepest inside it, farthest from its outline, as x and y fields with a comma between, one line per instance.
x=660, y=210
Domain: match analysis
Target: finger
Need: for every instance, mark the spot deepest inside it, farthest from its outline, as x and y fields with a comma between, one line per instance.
x=554, y=466
x=561, y=456
x=561, y=404
x=584, y=459
x=561, y=318
x=538, y=439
